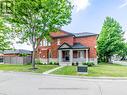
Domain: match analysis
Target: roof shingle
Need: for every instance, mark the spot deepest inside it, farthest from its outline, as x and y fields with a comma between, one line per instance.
x=79, y=46
x=84, y=34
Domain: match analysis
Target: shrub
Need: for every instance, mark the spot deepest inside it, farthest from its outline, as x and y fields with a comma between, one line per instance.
x=53, y=63
x=73, y=64
x=23, y=55
x=38, y=62
x=28, y=63
x=56, y=63
x=77, y=63
x=90, y=64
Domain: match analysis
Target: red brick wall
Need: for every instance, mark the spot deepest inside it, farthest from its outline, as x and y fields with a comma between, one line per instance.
x=89, y=42
x=55, y=34
x=42, y=52
x=54, y=47
x=68, y=40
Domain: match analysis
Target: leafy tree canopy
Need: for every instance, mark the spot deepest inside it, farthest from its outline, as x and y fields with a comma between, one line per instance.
x=35, y=19
x=110, y=40
x=123, y=52
x=4, y=37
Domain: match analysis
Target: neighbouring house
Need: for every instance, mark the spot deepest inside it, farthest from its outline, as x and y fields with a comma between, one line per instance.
x=66, y=48
x=15, y=56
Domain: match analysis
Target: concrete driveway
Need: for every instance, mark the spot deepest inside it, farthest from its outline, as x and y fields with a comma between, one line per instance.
x=37, y=84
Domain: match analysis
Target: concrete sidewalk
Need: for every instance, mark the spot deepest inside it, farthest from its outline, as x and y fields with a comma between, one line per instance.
x=52, y=70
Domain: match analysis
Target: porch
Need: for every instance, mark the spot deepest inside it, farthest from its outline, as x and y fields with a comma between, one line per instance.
x=67, y=57
x=77, y=53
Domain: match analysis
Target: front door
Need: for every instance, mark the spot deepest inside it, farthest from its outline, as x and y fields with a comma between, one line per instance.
x=65, y=56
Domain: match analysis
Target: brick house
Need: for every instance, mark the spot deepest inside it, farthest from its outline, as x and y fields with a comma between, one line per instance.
x=67, y=48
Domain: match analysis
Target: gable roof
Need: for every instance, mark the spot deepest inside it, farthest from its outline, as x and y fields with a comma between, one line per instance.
x=75, y=46
x=84, y=34
x=63, y=33
x=65, y=46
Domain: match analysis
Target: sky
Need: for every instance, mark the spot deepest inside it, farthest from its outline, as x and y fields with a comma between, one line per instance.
x=89, y=15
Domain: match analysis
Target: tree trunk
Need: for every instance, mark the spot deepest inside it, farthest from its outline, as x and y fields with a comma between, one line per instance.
x=108, y=59
x=33, y=58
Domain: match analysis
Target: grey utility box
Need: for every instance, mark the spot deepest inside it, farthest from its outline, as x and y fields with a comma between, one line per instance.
x=82, y=69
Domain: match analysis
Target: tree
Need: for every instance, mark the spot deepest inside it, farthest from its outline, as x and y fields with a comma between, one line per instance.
x=35, y=19
x=4, y=42
x=123, y=52
x=110, y=40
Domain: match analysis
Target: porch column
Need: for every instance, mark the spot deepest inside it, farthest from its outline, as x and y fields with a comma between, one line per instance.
x=87, y=55
x=60, y=56
x=71, y=56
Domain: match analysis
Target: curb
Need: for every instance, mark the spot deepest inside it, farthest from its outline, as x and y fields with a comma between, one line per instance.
x=68, y=76
x=32, y=73
x=84, y=77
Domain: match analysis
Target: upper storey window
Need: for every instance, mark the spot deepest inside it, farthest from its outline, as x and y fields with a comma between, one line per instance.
x=46, y=43
x=58, y=41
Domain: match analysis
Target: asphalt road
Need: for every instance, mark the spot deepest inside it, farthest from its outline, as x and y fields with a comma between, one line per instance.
x=37, y=84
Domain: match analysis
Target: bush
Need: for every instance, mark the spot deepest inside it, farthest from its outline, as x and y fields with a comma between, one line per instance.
x=53, y=63
x=38, y=62
x=23, y=55
x=73, y=64
x=77, y=63
x=56, y=63
x=28, y=63
x=90, y=64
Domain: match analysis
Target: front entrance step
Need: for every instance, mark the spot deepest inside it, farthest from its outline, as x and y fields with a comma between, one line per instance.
x=52, y=70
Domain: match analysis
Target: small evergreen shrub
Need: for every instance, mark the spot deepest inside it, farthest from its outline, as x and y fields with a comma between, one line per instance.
x=90, y=64
x=77, y=63
x=56, y=63
x=73, y=64
x=53, y=63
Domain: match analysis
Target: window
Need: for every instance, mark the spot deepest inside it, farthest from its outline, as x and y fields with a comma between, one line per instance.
x=46, y=43
x=1, y=59
x=49, y=43
x=41, y=43
x=81, y=54
x=78, y=54
x=50, y=54
x=58, y=41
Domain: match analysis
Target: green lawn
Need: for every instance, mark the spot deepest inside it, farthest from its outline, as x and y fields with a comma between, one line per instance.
x=26, y=68
x=101, y=70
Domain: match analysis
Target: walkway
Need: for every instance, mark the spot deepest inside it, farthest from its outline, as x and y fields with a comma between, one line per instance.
x=52, y=70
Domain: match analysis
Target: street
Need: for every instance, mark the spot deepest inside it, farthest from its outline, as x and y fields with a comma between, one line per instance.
x=12, y=83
